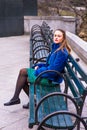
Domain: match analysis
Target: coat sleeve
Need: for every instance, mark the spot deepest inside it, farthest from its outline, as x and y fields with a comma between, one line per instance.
x=57, y=62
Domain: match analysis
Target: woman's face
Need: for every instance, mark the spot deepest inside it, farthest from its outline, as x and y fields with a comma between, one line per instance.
x=58, y=37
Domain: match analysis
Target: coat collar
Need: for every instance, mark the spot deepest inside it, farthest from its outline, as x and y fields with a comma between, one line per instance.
x=55, y=46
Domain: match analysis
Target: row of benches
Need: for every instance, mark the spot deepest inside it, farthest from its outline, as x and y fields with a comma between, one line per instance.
x=38, y=43
x=53, y=104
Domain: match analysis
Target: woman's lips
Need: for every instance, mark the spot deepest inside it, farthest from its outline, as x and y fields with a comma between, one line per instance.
x=56, y=40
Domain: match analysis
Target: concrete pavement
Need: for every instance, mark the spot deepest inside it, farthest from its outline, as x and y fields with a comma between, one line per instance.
x=14, y=55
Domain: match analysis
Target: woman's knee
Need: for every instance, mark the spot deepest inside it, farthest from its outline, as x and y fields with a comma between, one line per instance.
x=23, y=71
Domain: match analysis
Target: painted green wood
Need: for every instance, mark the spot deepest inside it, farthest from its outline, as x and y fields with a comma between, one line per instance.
x=65, y=121
x=50, y=105
x=41, y=91
x=31, y=106
x=76, y=80
x=78, y=68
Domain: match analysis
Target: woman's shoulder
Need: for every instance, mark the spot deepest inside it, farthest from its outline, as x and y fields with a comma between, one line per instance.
x=63, y=52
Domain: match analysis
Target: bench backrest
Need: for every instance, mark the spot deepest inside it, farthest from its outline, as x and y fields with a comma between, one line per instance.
x=77, y=80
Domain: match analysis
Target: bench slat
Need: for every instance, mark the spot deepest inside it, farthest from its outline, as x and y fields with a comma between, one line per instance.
x=41, y=92
x=76, y=80
x=78, y=68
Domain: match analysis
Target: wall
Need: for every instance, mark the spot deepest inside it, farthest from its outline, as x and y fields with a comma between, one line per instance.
x=30, y=7
x=63, y=22
x=11, y=18
x=78, y=45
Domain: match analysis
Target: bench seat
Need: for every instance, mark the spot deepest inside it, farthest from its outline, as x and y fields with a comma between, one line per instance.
x=53, y=103
x=46, y=99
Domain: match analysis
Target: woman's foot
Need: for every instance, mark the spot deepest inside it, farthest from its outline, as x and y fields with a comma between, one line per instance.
x=12, y=102
x=26, y=106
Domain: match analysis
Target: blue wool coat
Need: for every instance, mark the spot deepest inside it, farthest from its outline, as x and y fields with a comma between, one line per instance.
x=55, y=61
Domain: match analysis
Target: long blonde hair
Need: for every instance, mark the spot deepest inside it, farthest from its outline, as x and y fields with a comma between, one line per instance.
x=64, y=43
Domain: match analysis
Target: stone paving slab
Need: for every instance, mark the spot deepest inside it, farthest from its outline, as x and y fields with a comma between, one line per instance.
x=14, y=55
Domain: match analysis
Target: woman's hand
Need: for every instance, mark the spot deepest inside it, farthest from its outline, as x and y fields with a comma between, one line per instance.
x=36, y=67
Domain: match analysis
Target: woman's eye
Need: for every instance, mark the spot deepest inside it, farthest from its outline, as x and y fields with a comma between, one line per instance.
x=57, y=36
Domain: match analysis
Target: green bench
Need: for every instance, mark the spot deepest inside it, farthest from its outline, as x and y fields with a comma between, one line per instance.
x=52, y=97
x=49, y=98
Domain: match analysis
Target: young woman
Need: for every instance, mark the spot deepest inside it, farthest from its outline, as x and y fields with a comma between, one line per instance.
x=55, y=61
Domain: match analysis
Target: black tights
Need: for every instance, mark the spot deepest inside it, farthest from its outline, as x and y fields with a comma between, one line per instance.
x=22, y=83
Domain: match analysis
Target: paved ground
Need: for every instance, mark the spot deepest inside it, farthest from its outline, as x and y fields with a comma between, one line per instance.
x=14, y=55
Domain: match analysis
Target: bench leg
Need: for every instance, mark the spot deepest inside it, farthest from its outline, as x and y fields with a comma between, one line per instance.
x=78, y=126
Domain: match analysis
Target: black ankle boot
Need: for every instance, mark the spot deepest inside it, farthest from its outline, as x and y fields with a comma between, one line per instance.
x=12, y=102
x=26, y=106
